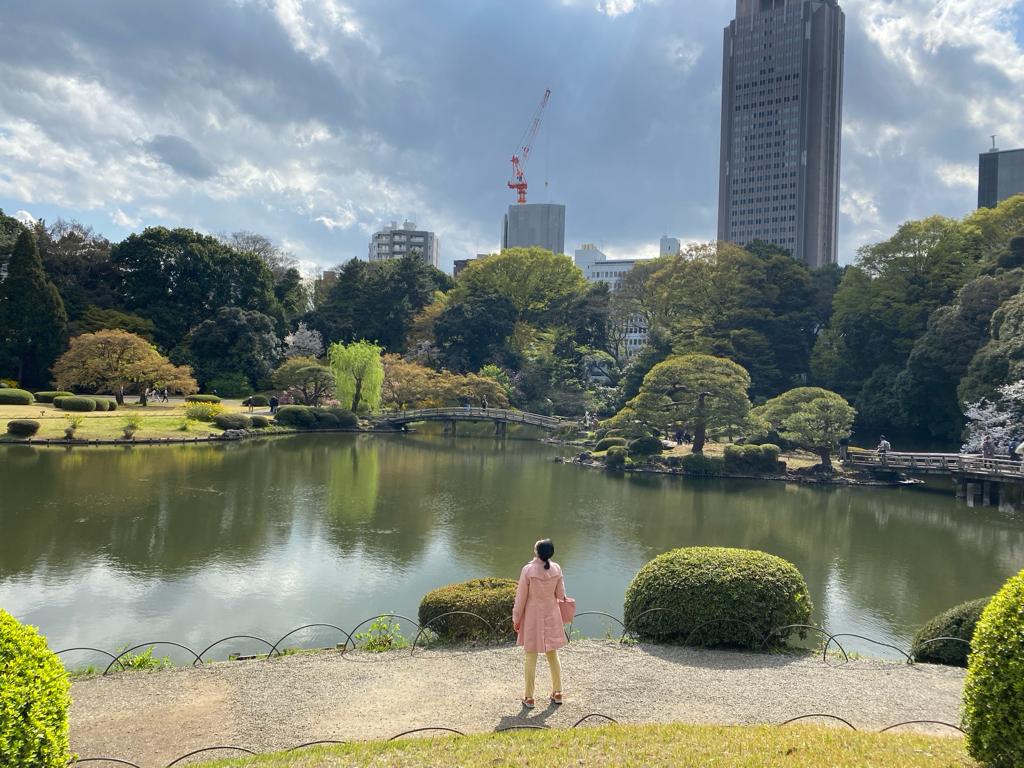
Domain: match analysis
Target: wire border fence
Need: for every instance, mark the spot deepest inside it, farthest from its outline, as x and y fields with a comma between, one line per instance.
x=500, y=634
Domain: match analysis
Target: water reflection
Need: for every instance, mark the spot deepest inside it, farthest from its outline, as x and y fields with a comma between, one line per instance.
x=106, y=546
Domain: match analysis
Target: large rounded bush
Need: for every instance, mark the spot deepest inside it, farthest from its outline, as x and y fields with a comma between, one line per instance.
x=957, y=622
x=615, y=458
x=491, y=599
x=259, y=422
x=605, y=443
x=256, y=401
x=994, y=690
x=22, y=427
x=648, y=445
x=34, y=699
x=202, y=399
x=47, y=397
x=296, y=416
x=325, y=419
x=102, y=404
x=346, y=418
x=16, y=397
x=78, y=404
x=716, y=596
x=760, y=459
x=232, y=421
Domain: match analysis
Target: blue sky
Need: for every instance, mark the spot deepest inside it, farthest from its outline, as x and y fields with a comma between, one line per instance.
x=316, y=121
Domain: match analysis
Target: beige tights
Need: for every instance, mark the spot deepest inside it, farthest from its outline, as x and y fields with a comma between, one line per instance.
x=531, y=672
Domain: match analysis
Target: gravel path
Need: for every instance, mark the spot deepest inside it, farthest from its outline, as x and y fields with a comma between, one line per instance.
x=151, y=718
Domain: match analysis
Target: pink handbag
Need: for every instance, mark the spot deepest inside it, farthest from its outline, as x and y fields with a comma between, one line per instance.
x=567, y=608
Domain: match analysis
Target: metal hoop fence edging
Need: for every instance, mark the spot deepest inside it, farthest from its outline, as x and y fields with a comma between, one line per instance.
x=824, y=653
x=94, y=650
x=753, y=630
x=820, y=714
x=363, y=623
x=820, y=630
x=940, y=640
x=568, y=632
x=315, y=743
x=239, y=637
x=285, y=636
x=124, y=653
x=426, y=728
x=426, y=625
x=924, y=722
x=80, y=760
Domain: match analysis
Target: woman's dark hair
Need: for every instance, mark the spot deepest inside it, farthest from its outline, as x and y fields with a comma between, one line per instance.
x=545, y=550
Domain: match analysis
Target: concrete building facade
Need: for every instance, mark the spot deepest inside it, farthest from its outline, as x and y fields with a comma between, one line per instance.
x=394, y=242
x=539, y=225
x=598, y=268
x=1000, y=176
x=782, y=95
x=670, y=246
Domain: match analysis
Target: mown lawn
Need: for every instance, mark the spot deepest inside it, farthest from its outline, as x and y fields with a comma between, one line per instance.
x=678, y=746
x=159, y=420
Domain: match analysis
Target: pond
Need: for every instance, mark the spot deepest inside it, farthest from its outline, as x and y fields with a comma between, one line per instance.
x=108, y=547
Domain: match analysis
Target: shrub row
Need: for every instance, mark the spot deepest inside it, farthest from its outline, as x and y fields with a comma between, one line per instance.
x=47, y=397
x=958, y=622
x=615, y=458
x=257, y=401
x=305, y=417
x=9, y=396
x=232, y=421
x=202, y=399
x=759, y=459
x=84, y=404
x=22, y=427
x=641, y=447
x=697, y=464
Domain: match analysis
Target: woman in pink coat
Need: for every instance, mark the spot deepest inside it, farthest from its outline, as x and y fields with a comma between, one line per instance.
x=537, y=619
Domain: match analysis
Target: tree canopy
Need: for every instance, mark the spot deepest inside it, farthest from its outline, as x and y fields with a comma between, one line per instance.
x=358, y=373
x=233, y=342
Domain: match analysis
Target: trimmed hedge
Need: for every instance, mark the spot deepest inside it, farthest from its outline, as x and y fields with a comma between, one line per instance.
x=346, y=419
x=306, y=417
x=716, y=596
x=760, y=459
x=22, y=427
x=102, y=404
x=698, y=464
x=260, y=422
x=994, y=689
x=605, y=443
x=77, y=404
x=34, y=699
x=615, y=458
x=960, y=622
x=296, y=416
x=232, y=421
x=202, y=399
x=645, y=446
x=491, y=599
x=325, y=419
x=47, y=397
x=16, y=397
x=257, y=401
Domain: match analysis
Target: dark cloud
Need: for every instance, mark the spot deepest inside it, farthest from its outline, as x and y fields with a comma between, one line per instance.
x=181, y=156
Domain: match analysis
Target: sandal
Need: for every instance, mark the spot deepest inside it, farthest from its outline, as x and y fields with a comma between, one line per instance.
x=556, y=697
x=529, y=703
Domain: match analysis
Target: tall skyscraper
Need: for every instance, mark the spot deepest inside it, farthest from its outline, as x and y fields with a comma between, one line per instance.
x=1000, y=175
x=534, y=224
x=782, y=100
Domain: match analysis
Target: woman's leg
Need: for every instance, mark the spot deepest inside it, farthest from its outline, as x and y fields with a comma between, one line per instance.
x=556, y=671
x=531, y=673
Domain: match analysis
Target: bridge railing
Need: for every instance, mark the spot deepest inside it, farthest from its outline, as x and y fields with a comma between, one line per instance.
x=953, y=463
x=473, y=412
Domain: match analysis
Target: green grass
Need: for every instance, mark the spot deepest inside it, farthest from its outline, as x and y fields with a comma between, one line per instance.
x=678, y=746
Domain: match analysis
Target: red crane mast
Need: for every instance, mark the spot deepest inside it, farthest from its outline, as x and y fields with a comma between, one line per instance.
x=522, y=156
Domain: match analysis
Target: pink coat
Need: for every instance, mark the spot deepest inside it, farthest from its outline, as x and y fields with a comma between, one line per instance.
x=536, y=607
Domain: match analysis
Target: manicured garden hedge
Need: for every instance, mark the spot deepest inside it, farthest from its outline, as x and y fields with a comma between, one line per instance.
x=960, y=622
x=994, y=689
x=232, y=421
x=716, y=596
x=346, y=419
x=16, y=397
x=697, y=464
x=615, y=458
x=759, y=459
x=256, y=401
x=47, y=397
x=491, y=599
x=605, y=443
x=75, y=403
x=34, y=699
x=305, y=417
x=202, y=399
x=644, y=446
x=22, y=427
x=325, y=419
x=260, y=422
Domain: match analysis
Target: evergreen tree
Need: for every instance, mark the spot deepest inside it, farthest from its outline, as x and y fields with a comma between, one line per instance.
x=33, y=323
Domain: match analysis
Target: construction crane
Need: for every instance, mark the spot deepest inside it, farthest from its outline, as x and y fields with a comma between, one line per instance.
x=522, y=156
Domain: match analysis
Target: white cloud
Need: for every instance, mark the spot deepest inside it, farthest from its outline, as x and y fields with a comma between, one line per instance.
x=859, y=205
x=25, y=217
x=957, y=175
x=615, y=8
x=122, y=219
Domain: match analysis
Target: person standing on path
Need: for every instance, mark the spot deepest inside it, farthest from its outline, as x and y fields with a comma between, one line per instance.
x=537, y=618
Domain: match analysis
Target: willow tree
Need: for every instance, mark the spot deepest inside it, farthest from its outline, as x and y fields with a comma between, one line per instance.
x=358, y=373
x=700, y=392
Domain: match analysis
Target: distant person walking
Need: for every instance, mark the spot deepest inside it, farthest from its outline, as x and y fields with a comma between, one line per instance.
x=274, y=402
x=988, y=447
x=483, y=402
x=538, y=618
x=883, y=445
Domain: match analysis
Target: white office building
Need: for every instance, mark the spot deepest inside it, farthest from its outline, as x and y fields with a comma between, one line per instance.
x=393, y=242
x=599, y=268
x=670, y=246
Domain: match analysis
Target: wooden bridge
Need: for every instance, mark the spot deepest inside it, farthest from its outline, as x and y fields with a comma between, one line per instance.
x=501, y=417
x=993, y=480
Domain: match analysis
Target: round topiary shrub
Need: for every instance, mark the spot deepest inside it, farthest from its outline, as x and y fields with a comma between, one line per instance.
x=34, y=699
x=325, y=419
x=615, y=458
x=102, y=404
x=716, y=596
x=203, y=411
x=645, y=446
x=16, y=397
x=699, y=465
x=491, y=599
x=78, y=404
x=22, y=427
x=957, y=622
x=296, y=417
x=232, y=421
x=256, y=401
x=259, y=422
x=47, y=397
x=994, y=689
x=346, y=418
x=202, y=399
x=605, y=443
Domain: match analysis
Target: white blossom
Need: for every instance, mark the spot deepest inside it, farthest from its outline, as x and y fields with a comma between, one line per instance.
x=1001, y=418
x=305, y=342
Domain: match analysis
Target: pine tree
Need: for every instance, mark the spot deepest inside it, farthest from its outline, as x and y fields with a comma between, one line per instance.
x=33, y=323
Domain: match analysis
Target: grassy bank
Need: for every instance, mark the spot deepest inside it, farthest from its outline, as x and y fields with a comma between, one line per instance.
x=649, y=745
x=160, y=420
